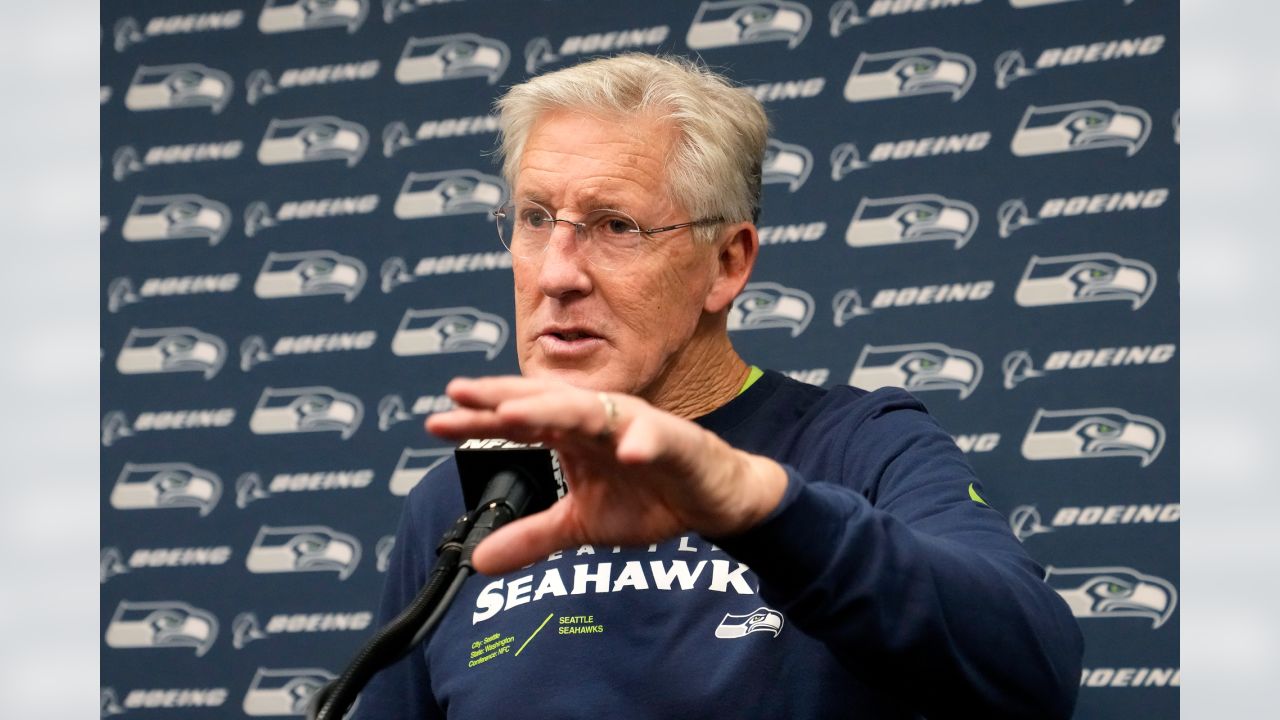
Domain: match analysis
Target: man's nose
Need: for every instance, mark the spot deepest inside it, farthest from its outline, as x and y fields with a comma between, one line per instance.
x=564, y=264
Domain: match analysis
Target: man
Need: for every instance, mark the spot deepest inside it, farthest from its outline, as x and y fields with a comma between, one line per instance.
x=734, y=544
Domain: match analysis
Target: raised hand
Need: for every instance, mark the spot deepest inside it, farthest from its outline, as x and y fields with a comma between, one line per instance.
x=637, y=475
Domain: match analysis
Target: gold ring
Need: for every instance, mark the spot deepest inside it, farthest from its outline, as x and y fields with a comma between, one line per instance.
x=610, y=415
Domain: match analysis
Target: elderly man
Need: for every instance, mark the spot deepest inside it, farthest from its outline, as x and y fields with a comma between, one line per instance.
x=734, y=544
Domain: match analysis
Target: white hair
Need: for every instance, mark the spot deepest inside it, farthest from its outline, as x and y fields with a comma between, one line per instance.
x=715, y=167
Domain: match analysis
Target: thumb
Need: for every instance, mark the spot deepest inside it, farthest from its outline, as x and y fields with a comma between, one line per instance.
x=525, y=541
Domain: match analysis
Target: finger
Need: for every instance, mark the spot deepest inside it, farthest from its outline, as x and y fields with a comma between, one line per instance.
x=525, y=541
x=576, y=411
x=464, y=424
x=488, y=392
x=641, y=442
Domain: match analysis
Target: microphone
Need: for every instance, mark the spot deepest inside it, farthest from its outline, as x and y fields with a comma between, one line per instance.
x=481, y=462
x=501, y=481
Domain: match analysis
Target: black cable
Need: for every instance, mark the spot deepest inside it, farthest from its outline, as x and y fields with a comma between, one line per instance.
x=459, y=579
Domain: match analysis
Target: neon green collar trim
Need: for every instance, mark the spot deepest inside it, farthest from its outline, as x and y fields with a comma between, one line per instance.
x=752, y=377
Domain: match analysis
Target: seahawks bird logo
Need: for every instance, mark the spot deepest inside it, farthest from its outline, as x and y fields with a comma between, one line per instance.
x=306, y=548
x=159, y=486
x=1092, y=433
x=1090, y=277
x=309, y=273
x=313, y=139
x=917, y=368
x=414, y=465
x=165, y=624
x=449, y=330
x=765, y=305
x=186, y=85
x=1089, y=125
x=280, y=16
x=1114, y=592
x=786, y=164
x=451, y=192
x=904, y=73
x=744, y=22
x=170, y=350
x=284, y=691
x=763, y=620
x=452, y=57
x=306, y=409
x=176, y=217
x=911, y=218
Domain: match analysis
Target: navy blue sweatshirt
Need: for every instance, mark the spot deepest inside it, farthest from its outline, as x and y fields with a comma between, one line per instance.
x=882, y=586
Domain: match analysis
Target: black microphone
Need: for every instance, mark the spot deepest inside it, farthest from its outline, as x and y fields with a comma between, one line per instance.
x=501, y=481
x=481, y=461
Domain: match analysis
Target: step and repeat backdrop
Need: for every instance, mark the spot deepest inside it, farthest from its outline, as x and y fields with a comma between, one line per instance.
x=973, y=199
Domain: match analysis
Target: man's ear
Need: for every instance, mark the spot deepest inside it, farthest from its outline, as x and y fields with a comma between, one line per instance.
x=735, y=259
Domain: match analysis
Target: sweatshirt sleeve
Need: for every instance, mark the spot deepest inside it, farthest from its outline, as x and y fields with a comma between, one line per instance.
x=891, y=559
x=401, y=691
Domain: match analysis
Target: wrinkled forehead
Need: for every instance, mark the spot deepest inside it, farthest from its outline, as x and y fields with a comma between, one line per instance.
x=596, y=160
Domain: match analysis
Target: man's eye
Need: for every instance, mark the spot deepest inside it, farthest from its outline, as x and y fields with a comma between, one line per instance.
x=535, y=219
x=616, y=226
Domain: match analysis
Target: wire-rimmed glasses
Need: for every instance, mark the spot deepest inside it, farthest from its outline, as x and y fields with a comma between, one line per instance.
x=609, y=239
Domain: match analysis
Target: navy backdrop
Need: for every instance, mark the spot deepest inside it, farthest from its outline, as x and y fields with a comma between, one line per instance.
x=976, y=200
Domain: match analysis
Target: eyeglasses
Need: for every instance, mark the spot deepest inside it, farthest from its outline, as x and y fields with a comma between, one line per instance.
x=610, y=239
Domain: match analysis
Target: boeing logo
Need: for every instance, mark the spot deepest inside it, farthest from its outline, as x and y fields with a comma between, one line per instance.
x=127, y=31
x=392, y=411
x=261, y=84
x=125, y=161
x=1014, y=214
x=844, y=15
x=539, y=52
x=396, y=135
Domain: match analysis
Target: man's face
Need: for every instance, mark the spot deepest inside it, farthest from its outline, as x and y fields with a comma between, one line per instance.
x=617, y=329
